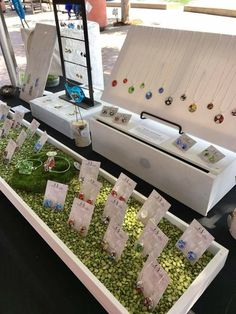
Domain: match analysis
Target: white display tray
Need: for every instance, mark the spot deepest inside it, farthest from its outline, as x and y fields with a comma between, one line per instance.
x=107, y=300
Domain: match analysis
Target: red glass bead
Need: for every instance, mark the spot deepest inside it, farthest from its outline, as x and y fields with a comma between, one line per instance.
x=114, y=83
x=219, y=118
x=114, y=193
x=90, y=202
x=125, y=80
x=81, y=196
x=121, y=198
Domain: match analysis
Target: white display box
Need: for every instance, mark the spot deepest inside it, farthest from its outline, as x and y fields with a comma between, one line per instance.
x=182, y=175
x=59, y=113
x=107, y=300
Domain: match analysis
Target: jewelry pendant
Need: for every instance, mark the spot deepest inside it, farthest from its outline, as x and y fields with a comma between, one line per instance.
x=219, y=118
x=183, y=97
x=160, y=90
x=125, y=80
x=210, y=106
x=142, y=85
x=233, y=112
x=192, y=107
x=148, y=95
x=131, y=89
x=168, y=101
x=114, y=83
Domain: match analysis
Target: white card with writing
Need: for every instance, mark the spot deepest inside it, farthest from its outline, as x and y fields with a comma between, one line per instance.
x=152, y=240
x=80, y=216
x=108, y=111
x=153, y=136
x=17, y=119
x=116, y=209
x=90, y=169
x=123, y=187
x=211, y=155
x=4, y=109
x=194, y=241
x=41, y=142
x=184, y=142
x=6, y=127
x=89, y=190
x=153, y=281
x=33, y=127
x=55, y=195
x=9, y=150
x=21, y=138
x=154, y=207
x=116, y=239
x=121, y=118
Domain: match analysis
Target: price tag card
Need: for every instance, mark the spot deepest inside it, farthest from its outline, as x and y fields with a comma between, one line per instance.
x=155, y=207
x=152, y=282
x=89, y=169
x=108, y=111
x=55, y=195
x=6, y=127
x=123, y=188
x=184, y=142
x=9, y=151
x=17, y=119
x=80, y=216
x=42, y=140
x=151, y=241
x=33, y=127
x=211, y=155
x=194, y=241
x=114, y=208
x=122, y=118
x=21, y=138
x=89, y=190
x=4, y=109
x=114, y=241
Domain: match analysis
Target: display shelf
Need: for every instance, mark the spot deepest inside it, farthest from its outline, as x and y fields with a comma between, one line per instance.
x=108, y=301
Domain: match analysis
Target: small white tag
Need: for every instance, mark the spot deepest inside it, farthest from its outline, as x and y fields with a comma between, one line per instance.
x=9, y=151
x=6, y=127
x=89, y=190
x=184, y=142
x=116, y=209
x=33, y=127
x=17, y=119
x=108, y=111
x=55, y=195
x=20, y=108
x=21, y=138
x=80, y=216
x=155, y=137
x=154, y=207
x=123, y=188
x=4, y=109
x=42, y=140
x=211, y=155
x=89, y=169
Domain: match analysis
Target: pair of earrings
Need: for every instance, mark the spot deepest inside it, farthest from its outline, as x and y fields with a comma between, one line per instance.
x=192, y=256
x=82, y=229
x=81, y=196
x=148, y=302
x=50, y=204
x=115, y=194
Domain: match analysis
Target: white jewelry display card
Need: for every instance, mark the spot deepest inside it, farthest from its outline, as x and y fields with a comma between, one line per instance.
x=17, y=119
x=9, y=151
x=21, y=138
x=33, y=127
x=121, y=118
x=108, y=111
x=114, y=209
x=89, y=190
x=211, y=155
x=184, y=142
x=40, y=143
x=6, y=127
x=80, y=216
x=151, y=241
x=88, y=169
x=114, y=241
x=149, y=134
x=123, y=187
x=4, y=109
x=194, y=241
x=152, y=282
x=154, y=207
x=55, y=195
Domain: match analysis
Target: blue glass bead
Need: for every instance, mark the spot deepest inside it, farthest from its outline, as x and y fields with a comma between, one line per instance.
x=47, y=203
x=181, y=244
x=191, y=256
x=58, y=207
x=148, y=95
x=71, y=25
x=76, y=93
x=160, y=90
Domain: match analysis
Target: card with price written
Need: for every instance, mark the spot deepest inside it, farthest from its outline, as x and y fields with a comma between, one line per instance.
x=89, y=169
x=55, y=195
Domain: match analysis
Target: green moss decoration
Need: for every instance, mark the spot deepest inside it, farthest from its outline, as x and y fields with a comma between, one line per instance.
x=118, y=277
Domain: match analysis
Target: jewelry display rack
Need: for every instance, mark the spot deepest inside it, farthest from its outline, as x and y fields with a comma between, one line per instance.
x=181, y=79
x=99, y=291
x=85, y=68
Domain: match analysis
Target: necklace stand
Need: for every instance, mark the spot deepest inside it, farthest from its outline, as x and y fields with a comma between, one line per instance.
x=145, y=146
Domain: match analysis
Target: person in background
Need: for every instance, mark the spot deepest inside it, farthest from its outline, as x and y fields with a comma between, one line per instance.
x=68, y=8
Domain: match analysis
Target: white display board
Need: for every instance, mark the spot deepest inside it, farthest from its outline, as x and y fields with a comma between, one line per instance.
x=201, y=66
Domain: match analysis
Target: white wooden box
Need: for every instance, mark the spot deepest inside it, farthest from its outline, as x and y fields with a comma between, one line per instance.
x=107, y=300
x=146, y=51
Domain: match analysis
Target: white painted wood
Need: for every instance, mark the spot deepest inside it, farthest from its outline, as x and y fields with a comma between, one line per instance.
x=106, y=299
x=39, y=60
x=195, y=188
